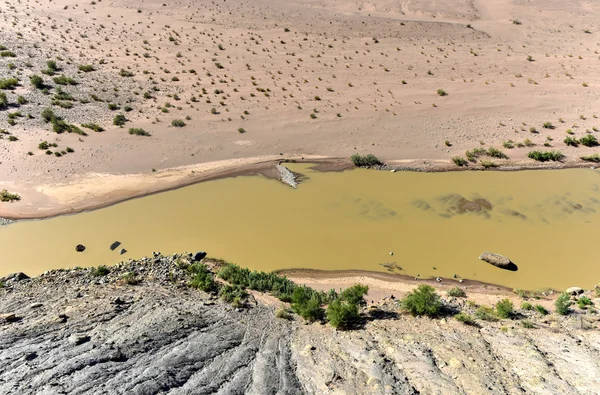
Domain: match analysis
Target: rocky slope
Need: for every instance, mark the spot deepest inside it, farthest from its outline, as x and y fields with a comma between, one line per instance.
x=79, y=333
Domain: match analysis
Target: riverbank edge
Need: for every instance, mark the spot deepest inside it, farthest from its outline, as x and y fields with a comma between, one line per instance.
x=83, y=196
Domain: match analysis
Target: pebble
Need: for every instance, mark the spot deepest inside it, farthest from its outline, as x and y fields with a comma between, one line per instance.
x=77, y=339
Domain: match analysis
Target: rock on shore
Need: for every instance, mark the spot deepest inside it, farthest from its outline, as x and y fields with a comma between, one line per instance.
x=74, y=332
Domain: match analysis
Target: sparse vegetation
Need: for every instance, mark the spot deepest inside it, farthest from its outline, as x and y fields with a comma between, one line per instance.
x=138, y=132
x=504, y=308
x=422, y=301
x=365, y=160
x=562, y=304
x=178, y=123
x=545, y=156
x=9, y=197
x=457, y=292
x=119, y=120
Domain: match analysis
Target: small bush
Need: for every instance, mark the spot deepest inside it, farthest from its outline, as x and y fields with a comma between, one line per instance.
x=591, y=158
x=138, y=132
x=47, y=115
x=584, y=301
x=562, y=304
x=64, y=80
x=365, y=160
x=3, y=100
x=526, y=306
x=442, y=92
x=548, y=125
x=422, y=301
x=527, y=324
x=37, y=82
x=119, y=120
x=86, y=68
x=589, y=141
x=571, y=141
x=496, y=153
x=306, y=304
x=178, y=123
x=234, y=294
x=486, y=314
x=541, y=309
x=101, y=271
x=43, y=145
x=202, y=278
x=8, y=54
x=465, y=318
x=241, y=130
x=457, y=292
x=130, y=278
x=504, y=308
x=545, y=156
x=460, y=161
x=283, y=313
x=6, y=196
x=125, y=73
x=8, y=83
x=93, y=126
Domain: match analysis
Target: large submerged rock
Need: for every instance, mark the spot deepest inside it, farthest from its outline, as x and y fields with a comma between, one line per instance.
x=497, y=260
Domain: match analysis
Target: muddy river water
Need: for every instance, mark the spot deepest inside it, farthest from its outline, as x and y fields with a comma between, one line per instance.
x=435, y=224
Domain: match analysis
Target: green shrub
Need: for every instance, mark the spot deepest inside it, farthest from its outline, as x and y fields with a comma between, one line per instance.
x=86, y=68
x=589, y=141
x=504, y=308
x=93, y=126
x=365, y=160
x=459, y=161
x=8, y=83
x=64, y=80
x=486, y=313
x=119, y=120
x=37, y=82
x=202, y=278
x=6, y=196
x=496, y=153
x=241, y=130
x=591, y=158
x=342, y=315
x=47, y=115
x=7, y=54
x=125, y=73
x=541, y=309
x=283, y=313
x=101, y=271
x=465, y=318
x=113, y=106
x=178, y=123
x=138, y=132
x=571, y=141
x=545, y=156
x=43, y=145
x=562, y=304
x=3, y=100
x=527, y=324
x=422, y=301
x=457, y=292
x=526, y=306
x=21, y=100
x=442, y=92
x=548, y=125
x=306, y=304
x=487, y=164
x=584, y=301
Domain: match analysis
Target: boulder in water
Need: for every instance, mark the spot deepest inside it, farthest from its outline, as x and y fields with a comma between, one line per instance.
x=498, y=260
x=199, y=256
x=80, y=248
x=114, y=245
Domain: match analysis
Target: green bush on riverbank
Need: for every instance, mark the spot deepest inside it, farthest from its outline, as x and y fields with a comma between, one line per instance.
x=365, y=160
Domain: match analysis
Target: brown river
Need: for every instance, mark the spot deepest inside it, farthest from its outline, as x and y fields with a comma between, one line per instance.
x=435, y=224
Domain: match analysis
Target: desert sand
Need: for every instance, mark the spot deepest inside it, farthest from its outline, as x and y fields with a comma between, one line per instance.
x=218, y=85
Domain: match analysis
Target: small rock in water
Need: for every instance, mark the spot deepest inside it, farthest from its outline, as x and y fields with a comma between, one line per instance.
x=391, y=252
x=114, y=245
x=80, y=248
x=123, y=250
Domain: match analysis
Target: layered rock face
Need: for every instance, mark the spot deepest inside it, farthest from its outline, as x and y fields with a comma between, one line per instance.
x=73, y=332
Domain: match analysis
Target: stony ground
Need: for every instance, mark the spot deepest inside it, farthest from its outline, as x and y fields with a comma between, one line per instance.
x=73, y=332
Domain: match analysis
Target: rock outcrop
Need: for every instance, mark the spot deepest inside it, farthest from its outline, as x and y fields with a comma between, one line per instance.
x=74, y=332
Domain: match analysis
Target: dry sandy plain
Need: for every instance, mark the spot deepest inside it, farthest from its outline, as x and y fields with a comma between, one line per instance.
x=255, y=81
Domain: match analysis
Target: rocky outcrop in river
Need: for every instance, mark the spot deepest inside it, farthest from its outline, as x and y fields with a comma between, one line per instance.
x=141, y=330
